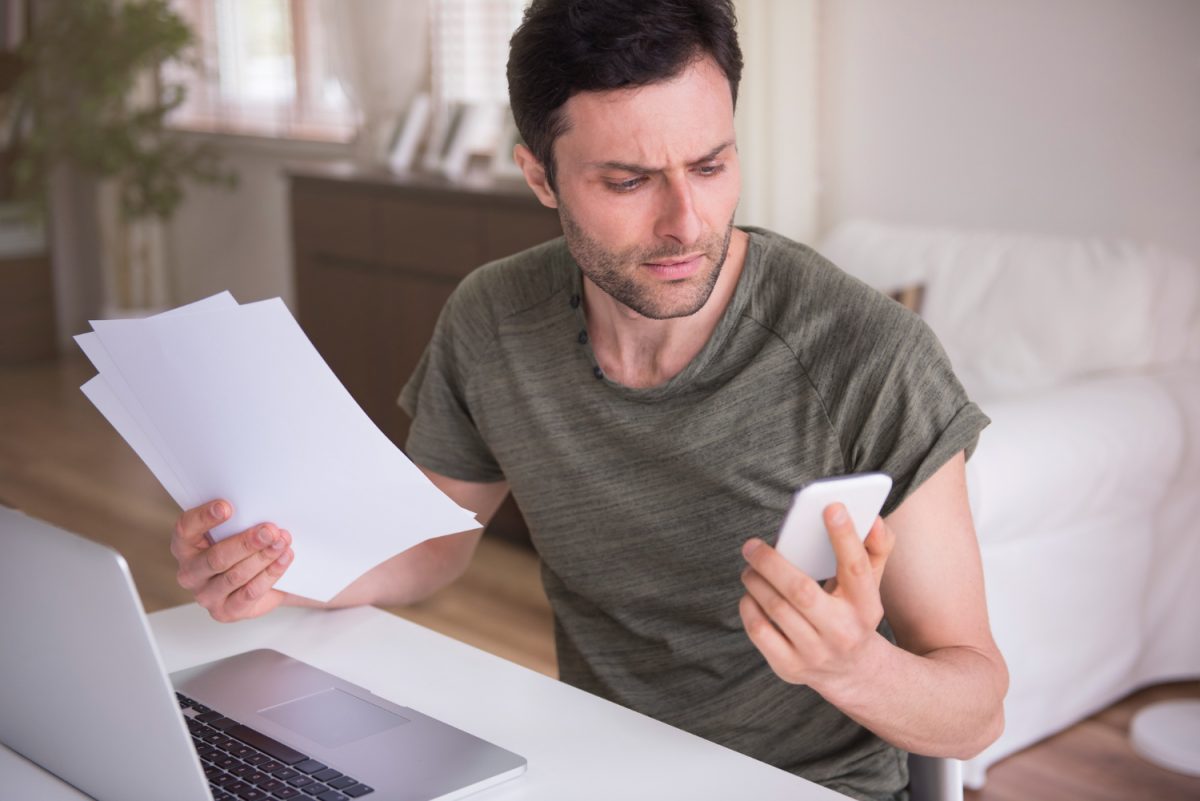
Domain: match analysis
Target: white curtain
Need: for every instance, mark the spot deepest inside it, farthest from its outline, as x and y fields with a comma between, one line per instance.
x=379, y=51
x=777, y=116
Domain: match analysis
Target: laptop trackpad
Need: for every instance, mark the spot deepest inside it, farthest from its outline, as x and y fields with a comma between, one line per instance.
x=333, y=718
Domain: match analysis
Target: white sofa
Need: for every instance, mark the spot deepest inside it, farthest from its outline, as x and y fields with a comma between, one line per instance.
x=1086, y=487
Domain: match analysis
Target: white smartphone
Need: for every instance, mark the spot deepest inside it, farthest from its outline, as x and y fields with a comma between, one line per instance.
x=804, y=540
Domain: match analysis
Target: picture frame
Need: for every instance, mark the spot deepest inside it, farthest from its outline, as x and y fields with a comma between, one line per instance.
x=503, y=165
x=460, y=142
x=410, y=132
x=474, y=143
x=446, y=121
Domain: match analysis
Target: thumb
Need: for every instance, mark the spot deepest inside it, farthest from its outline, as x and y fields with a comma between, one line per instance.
x=879, y=544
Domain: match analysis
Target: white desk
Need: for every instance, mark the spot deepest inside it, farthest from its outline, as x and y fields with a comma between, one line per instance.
x=579, y=747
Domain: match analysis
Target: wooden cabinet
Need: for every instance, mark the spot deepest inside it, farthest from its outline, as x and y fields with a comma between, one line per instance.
x=27, y=325
x=26, y=309
x=376, y=258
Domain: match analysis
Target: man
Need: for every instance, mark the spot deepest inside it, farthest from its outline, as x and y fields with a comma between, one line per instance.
x=652, y=388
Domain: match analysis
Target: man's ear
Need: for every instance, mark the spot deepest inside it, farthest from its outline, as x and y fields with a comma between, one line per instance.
x=535, y=176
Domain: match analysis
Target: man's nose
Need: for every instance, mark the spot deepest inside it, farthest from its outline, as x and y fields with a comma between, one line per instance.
x=678, y=219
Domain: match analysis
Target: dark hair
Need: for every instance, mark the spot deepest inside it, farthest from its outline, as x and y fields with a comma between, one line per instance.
x=564, y=47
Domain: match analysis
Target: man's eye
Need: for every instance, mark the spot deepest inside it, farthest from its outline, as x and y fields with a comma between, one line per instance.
x=711, y=169
x=625, y=186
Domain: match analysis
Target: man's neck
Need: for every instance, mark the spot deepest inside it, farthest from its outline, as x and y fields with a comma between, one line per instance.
x=639, y=352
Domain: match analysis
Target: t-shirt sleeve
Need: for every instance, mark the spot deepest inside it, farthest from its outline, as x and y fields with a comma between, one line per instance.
x=893, y=397
x=444, y=437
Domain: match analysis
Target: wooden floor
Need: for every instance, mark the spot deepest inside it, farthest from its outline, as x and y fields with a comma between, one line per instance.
x=60, y=461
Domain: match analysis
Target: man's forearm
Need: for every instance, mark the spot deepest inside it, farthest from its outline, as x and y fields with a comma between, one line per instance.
x=946, y=703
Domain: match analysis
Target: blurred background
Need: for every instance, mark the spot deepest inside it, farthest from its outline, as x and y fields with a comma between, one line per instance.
x=1072, y=117
x=1024, y=174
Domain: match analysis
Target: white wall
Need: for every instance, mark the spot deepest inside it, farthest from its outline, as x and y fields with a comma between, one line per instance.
x=1076, y=117
x=240, y=240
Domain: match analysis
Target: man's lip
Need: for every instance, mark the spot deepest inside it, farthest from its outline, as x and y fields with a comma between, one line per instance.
x=675, y=269
x=673, y=262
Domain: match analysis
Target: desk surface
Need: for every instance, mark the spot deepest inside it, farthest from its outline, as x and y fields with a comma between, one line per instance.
x=578, y=746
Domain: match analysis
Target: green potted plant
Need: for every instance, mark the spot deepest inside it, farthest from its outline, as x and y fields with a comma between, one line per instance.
x=91, y=94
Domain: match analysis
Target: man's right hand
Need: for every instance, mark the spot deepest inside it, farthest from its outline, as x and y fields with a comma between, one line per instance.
x=234, y=578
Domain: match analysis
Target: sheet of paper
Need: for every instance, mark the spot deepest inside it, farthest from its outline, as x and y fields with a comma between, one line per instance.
x=103, y=398
x=109, y=393
x=240, y=401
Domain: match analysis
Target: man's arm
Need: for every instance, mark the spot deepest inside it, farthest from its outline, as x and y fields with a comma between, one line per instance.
x=939, y=693
x=235, y=578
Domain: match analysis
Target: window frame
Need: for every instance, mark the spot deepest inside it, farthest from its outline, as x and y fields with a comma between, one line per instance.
x=302, y=118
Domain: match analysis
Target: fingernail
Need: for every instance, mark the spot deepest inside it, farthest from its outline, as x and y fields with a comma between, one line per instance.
x=218, y=511
x=286, y=559
x=277, y=545
x=839, y=514
x=264, y=536
x=750, y=547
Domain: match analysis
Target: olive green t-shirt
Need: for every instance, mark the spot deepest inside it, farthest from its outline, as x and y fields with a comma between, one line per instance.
x=638, y=500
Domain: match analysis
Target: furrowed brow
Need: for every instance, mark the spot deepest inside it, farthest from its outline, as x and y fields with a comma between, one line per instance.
x=642, y=169
x=712, y=154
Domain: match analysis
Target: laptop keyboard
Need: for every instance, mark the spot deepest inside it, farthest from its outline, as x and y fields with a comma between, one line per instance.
x=246, y=765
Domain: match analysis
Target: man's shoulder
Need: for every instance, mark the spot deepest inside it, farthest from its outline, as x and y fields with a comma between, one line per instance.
x=779, y=248
x=841, y=331
x=798, y=293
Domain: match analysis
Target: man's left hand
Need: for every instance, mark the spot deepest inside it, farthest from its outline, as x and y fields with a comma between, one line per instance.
x=807, y=633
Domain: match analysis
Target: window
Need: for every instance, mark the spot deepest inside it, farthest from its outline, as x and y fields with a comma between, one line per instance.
x=265, y=70
x=470, y=49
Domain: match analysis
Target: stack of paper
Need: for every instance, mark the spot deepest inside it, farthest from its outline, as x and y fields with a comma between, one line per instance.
x=228, y=401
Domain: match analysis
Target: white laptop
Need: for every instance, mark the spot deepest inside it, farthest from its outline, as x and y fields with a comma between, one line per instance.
x=83, y=693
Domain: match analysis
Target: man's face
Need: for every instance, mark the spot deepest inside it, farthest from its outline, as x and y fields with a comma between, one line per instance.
x=648, y=181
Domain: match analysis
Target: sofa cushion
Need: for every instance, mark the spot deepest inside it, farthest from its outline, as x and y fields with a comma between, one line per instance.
x=1018, y=313
x=1078, y=455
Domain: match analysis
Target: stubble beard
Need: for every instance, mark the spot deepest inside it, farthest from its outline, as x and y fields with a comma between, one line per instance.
x=617, y=273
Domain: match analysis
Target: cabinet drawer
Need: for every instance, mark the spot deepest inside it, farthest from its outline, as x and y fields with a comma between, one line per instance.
x=335, y=221
x=431, y=236
x=509, y=230
x=26, y=310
